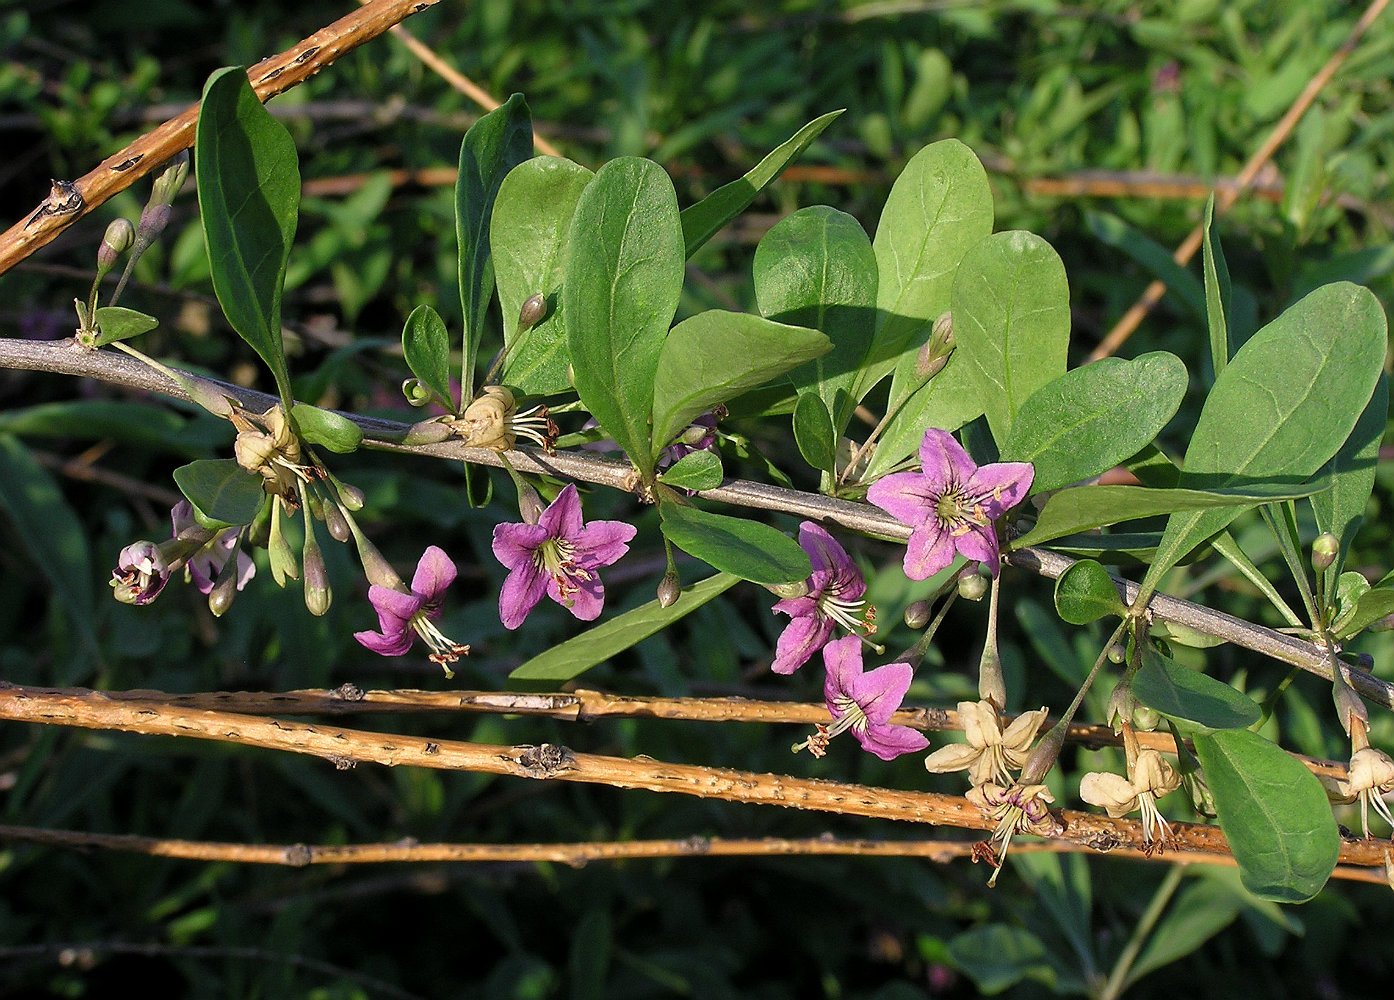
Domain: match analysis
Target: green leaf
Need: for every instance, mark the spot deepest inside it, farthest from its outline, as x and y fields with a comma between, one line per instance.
x=249, y=200
x=997, y=956
x=1198, y=913
x=1274, y=814
x=223, y=493
x=816, y=268
x=623, y=279
x=1011, y=315
x=119, y=323
x=493, y=146
x=748, y=549
x=1092, y=418
x=1085, y=593
x=326, y=428
x=1151, y=255
x=1189, y=695
x=1372, y=605
x=1082, y=508
x=1282, y=407
x=716, y=355
x=813, y=432
x=576, y=656
x=126, y=422
x=426, y=348
x=1341, y=509
x=948, y=401
x=939, y=206
x=529, y=232
x=51, y=535
x=697, y=470
x=702, y=221
x=1217, y=293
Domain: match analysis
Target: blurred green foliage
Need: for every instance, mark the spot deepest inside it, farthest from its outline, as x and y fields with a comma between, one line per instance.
x=1040, y=90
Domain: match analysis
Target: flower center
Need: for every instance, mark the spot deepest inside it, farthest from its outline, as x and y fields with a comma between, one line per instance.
x=959, y=512
x=444, y=650
x=557, y=558
x=853, y=614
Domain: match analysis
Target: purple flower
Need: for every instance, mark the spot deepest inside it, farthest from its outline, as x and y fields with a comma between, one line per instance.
x=558, y=556
x=864, y=702
x=205, y=564
x=834, y=597
x=404, y=616
x=950, y=505
x=141, y=573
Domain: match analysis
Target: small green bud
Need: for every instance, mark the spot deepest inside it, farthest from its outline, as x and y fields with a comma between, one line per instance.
x=530, y=505
x=1324, y=551
x=350, y=496
x=1146, y=718
x=917, y=615
x=532, y=312
x=416, y=392
x=934, y=355
x=335, y=521
x=1117, y=653
x=432, y=431
x=669, y=589
x=318, y=596
x=115, y=241
x=224, y=589
x=171, y=179
x=971, y=585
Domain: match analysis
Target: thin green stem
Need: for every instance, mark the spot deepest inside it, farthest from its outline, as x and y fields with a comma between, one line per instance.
x=1288, y=542
x=1118, y=978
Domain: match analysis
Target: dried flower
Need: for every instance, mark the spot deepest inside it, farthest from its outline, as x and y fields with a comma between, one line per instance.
x=1150, y=776
x=991, y=753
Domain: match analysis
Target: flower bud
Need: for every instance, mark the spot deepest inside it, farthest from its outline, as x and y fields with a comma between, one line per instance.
x=1146, y=718
x=317, y=593
x=350, y=496
x=971, y=585
x=432, y=431
x=416, y=392
x=335, y=521
x=115, y=241
x=532, y=312
x=171, y=179
x=669, y=589
x=934, y=355
x=224, y=590
x=1121, y=706
x=1324, y=551
x=917, y=615
x=1117, y=653
x=283, y=564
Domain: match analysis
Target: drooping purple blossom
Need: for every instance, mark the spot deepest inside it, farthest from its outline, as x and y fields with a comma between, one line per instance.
x=205, y=564
x=835, y=592
x=141, y=573
x=862, y=702
x=404, y=616
x=951, y=505
x=559, y=556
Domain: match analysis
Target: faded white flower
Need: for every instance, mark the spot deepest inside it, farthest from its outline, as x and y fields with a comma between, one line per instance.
x=991, y=753
x=1150, y=776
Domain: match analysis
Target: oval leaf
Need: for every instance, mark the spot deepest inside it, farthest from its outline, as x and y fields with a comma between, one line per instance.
x=745, y=548
x=715, y=356
x=119, y=323
x=223, y=493
x=576, y=656
x=816, y=268
x=1274, y=813
x=1011, y=315
x=1092, y=418
x=1085, y=593
x=813, y=432
x=1282, y=407
x=623, y=279
x=697, y=470
x=528, y=234
x=1190, y=695
x=426, y=347
x=249, y=201
x=325, y=427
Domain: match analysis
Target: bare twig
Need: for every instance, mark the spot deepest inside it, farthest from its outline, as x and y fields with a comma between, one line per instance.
x=346, y=748
x=1226, y=196
x=578, y=855
x=268, y=78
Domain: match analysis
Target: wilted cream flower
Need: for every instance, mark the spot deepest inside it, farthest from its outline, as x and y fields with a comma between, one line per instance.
x=492, y=421
x=1371, y=774
x=1018, y=807
x=1150, y=776
x=990, y=753
x=267, y=445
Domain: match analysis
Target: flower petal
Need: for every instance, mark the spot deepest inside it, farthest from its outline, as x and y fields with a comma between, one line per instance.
x=1007, y=483
x=843, y=659
x=909, y=497
x=394, y=608
x=394, y=644
x=953, y=757
x=801, y=638
x=889, y=742
x=435, y=571
x=824, y=551
x=562, y=518
x=944, y=461
x=585, y=598
x=879, y=692
x=928, y=551
x=601, y=543
x=1111, y=791
x=520, y=592
x=514, y=544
